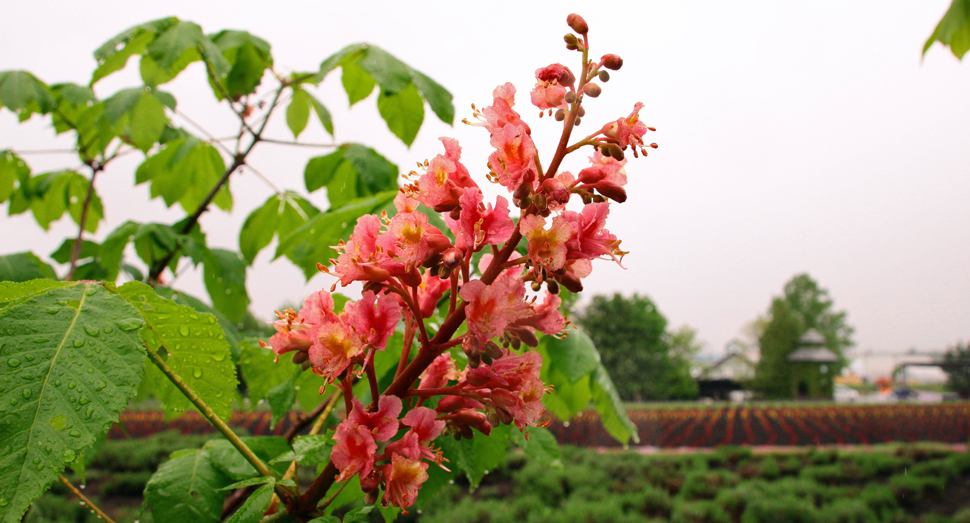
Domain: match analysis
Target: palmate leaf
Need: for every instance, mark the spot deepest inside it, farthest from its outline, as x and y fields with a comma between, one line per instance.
x=71, y=360
x=196, y=347
x=953, y=30
x=20, y=89
x=350, y=172
x=114, y=54
x=247, y=57
x=186, y=488
x=476, y=456
x=24, y=266
x=184, y=172
x=279, y=216
x=311, y=243
x=224, y=273
x=256, y=504
x=403, y=111
x=572, y=366
x=13, y=172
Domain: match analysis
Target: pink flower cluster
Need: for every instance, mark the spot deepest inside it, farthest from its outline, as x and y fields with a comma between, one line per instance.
x=421, y=279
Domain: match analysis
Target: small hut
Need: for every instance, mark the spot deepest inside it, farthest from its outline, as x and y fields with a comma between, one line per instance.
x=812, y=367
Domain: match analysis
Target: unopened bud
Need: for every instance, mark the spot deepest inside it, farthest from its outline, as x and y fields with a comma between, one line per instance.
x=570, y=97
x=592, y=90
x=493, y=419
x=570, y=39
x=374, y=286
x=560, y=115
x=516, y=344
x=552, y=286
x=578, y=121
x=524, y=203
x=598, y=198
x=614, y=151
x=577, y=23
x=371, y=482
x=536, y=286
x=305, y=366
x=451, y=258
x=581, y=111
x=486, y=359
x=444, y=272
x=604, y=76
x=493, y=350
x=466, y=432
x=504, y=416
x=612, y=62
x=470, y=347
x=455, y=213
x=300, y=356
x=540, y=201
x=523, y=190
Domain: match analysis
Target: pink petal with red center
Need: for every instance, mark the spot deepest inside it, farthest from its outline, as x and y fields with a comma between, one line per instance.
x=373, y=318
x=403, y=477
x=383, y=424
x=354, y=451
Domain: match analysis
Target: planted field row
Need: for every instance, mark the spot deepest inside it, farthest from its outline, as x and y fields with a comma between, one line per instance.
x=754, y=425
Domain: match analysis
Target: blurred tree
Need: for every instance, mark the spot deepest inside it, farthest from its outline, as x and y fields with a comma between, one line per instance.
x=803, y=306
x=958, y=376
x=644, y=360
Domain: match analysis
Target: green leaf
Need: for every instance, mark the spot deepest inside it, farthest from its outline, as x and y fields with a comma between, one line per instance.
x=392, y=74
x=322, y=113
x=18, y=89
x=167, y=49
x=89, y=249
x=308, y=391
x=540, y=446
x=186, y=488
x=403, y=111
x=280, y=215
x=320, y=170
x=72, y=360
x=154, y=75
x=325, y=519
x=224, y=273
x=438, y=97
x=281, y=399
x=336, y=59
x=298, y=112
x=252, y=510
x=120, y=103
x=229, y=328
x=95, y=132
x=374, y=172
x=310, y=243
x=260, y=372
x=196, y=347
x=953, y=30
x=113, y=248
x=357, y=83
x=24, y=266
x=574, y=356
x=232, y=463
x=246, y=56
x=259, y=480
x=478, y=455
x=185, y=171
x=611, y=409
x=13, y=291
x=311, y=449
x=13, y=170
x=146, y=121
x=114, y=54
x=359, y=515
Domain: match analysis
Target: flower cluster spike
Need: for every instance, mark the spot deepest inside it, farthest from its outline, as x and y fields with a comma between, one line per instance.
x=488, y=375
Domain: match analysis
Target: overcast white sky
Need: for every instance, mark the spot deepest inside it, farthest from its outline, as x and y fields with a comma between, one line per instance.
x=794, y=137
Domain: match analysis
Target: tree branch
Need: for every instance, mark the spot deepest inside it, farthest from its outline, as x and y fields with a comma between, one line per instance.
x=76, y=251
x=84, y=499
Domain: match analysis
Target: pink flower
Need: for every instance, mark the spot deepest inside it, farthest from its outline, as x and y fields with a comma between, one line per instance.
x=292, y=333
x=373, y=318
x=430, y=290
x=354, y=451
x=629, y=130
x=439, y=373
x=490, y=308
x=423, y=423
x=383, y=424
x=404, y=203
x=500, y=113
x=546, y=318
x=513, y=162
x=360, y=260
x=515, y=386
x=607, y=176
x=335, y=344
x=404, y=476
x=550, y=89
x=445, y=180
x=479, y=225
x=547, y=248
x=590, y=239
x=411, y=240
x=573, y=273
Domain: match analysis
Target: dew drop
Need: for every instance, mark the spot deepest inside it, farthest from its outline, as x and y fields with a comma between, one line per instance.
x=27, y=394
x=58, y=422
x=13, y=362
x=41, y=340
x=4, y=502
x=100, y=385
x=130, y=324
x=75, y=433
x=30, y=357
x=71, y=385
x=219, y=357
x=68, y=455
x=78, y=344
x=183, y=330
x=83, y=400
x=53, y=310
x=197, y=372
x=92, y=331
x=90, y=291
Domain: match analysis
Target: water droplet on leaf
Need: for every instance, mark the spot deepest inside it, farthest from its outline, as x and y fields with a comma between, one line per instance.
x=130, y=324
x=58, y=422
x=68, y=455
x=13, y=362
x=92, y=331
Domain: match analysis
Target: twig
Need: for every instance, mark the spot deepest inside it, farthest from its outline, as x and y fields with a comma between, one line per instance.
x=85, y=500
x=318, y=412
x=76, y=251
x=22, y=152
x=300, y=144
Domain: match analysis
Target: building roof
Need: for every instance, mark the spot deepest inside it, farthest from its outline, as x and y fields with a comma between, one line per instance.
x=815, y=355
x=733, y=366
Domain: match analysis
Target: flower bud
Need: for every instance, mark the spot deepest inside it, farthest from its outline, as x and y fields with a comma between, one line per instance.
x=305, y=365
x=592, y=90
x=493, y=418
x=523, y=190
x=556, y=190
x=570, y=97
x=451, y=258
x=578, y=121
x=524, y=203
x=473, y=418
x=493, y=350
x=540, y=201
x=604, y=76
x=516, y=344
x=300, y=356
x=614, y=151
x=444, y=272
x=503, y=415
x=581, y=111
x=486, y=359
x=617, y=194
x=577, y=23
x=552, y=286
x=455, y=213
x=536, y=286
x=371, y=482
x=371, y=497
x=612, y=62
x=466, y=432
x=560, y=115
x=471, y=349
x=571, y=39
x=528, y=337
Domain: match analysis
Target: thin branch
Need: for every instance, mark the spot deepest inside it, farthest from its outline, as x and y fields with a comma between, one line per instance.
x=85, y=500
x=76, y=251
x=263, y=177
x=321, y=411
x=300, y=144
x=210, y=136
x=24, y=152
